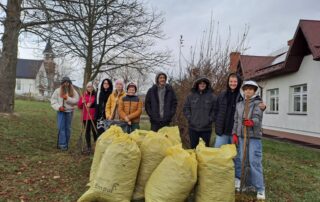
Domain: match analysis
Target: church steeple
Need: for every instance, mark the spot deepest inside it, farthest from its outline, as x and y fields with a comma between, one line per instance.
x=48, y=53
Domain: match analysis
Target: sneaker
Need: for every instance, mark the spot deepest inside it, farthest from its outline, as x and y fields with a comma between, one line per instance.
x=237, y=184
x=261, y=195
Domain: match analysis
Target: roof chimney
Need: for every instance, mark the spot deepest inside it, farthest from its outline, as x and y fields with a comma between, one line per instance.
x=290, y=42
x=234, y=60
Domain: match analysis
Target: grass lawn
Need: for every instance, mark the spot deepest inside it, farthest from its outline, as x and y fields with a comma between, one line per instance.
x=32, y=169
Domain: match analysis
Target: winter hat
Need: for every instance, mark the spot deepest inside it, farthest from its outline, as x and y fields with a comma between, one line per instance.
x=250, y=83
x=131, y=84
x=119, y=82
x=89, y=84
x=159, y=74
x=253, y=84
x=66, y=79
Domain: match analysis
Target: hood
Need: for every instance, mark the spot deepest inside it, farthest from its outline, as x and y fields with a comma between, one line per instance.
x=250, y=83
x=159, y=74
x=239, y=82
x=199, y=80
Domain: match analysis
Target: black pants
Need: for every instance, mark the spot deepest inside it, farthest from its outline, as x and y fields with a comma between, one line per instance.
x=156, y=126
x=88, y=130
x=196, y=135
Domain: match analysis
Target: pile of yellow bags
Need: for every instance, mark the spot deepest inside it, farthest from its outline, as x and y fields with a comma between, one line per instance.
x=154, y=166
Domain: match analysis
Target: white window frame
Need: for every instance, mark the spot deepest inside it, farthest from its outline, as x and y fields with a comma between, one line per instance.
x=275, y=96
x=300, y=95
x=18, y=84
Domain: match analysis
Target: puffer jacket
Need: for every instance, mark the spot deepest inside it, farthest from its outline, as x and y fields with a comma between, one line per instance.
x=112, y=103
x=255, y=113
x=224, y=112
x=130, y=106
x=199, y=107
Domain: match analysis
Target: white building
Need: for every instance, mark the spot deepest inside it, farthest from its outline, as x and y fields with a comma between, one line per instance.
x=36, y=78
x=290, y=82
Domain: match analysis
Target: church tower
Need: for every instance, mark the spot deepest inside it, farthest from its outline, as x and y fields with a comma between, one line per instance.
x=49, y=66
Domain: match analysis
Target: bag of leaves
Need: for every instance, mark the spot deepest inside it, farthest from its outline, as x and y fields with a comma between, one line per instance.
x=102, y=143
x=174, y=178
x=173, y=134
x=153, y=150
x=215, y=173
x=138, y=135
x=117, y=172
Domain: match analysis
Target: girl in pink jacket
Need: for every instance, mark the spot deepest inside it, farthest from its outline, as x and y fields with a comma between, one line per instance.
x=86, y=103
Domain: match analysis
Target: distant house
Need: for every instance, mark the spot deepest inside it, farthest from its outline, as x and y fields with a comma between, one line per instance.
x=290, y=82
x=36, y=78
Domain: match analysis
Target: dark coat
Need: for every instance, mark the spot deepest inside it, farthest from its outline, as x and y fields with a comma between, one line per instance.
x=199, y=107
x=101, y=101
x=226, y=107
x=152, y=105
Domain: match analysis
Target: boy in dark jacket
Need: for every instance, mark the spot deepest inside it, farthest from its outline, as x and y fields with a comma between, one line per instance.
x=160, y=103
x=199, y=111
x=248, y=122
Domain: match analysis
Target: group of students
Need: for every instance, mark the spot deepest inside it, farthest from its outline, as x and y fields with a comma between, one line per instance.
x=237, y=109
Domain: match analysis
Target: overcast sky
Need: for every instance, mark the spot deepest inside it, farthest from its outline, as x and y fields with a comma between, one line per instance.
x=271, y=22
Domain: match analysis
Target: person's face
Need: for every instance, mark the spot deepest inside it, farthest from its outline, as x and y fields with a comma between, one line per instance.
x=233, y=82
x=248, y=91
x=202, y=86
x=66, y=84
x=131, y=91
x=106, y=84
x=119, y=87
x=162, y=80
x=90, y=89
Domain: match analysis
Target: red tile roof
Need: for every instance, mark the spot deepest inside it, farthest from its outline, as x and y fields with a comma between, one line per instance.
x=311, y=31
x=306, y=41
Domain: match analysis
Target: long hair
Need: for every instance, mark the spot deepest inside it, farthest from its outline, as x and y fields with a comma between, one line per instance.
x=66, y=90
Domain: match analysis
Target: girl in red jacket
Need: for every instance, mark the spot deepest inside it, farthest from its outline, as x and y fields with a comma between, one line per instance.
x=86, y=103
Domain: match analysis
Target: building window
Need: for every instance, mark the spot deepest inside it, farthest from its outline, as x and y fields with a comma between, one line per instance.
x=273, y=100
x=18, y=84
x=299, y=98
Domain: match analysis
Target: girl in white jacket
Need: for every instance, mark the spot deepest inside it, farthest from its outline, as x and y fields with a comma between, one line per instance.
x=64, y=100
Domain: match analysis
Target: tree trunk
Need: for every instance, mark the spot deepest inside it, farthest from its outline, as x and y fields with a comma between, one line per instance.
x=8, y=61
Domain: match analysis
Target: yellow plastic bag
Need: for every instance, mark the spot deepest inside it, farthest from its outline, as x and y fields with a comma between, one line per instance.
x=117, y=172
x=174, y=178
x=102, y=143
x=153, y=151
x=138, y=135
x=215, y=173
x=173, y=134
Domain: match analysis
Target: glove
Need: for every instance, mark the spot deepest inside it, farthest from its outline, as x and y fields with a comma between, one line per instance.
x=62, y=109
x=248, y=123
x=65, y=97
x=235, y=139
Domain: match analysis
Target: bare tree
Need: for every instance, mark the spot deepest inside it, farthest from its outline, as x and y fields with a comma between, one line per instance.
x=114, y=34
x=211, y=59
x=18, y=17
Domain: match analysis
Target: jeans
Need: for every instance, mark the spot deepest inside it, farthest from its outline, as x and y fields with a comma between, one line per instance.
x=64, y=126
x=255, y=160
x=227, y=139
x=196, y=135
